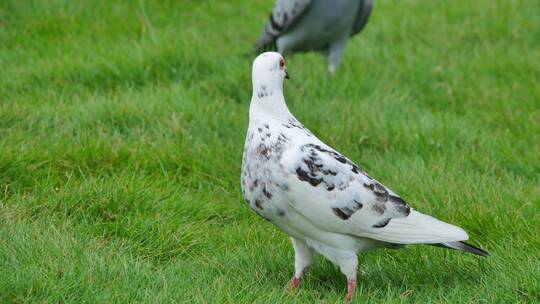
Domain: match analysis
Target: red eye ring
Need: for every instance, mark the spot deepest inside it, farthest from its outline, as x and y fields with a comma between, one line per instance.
x=281, y=63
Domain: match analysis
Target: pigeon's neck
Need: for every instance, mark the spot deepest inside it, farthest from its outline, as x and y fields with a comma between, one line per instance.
x=268, y=102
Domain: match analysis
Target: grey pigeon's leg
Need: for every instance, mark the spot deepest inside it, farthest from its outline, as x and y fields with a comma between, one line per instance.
x=335, y=53
x=303, y=257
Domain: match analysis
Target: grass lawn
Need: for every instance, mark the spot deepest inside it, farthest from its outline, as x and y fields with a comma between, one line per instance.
x=122, y=126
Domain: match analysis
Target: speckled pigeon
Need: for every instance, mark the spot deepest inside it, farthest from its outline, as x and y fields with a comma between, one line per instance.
x=324, y=201
x=314, y=25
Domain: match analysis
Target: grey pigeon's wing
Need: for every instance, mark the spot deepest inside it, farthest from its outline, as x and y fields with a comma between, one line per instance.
x=284, y=14
x=362, y=16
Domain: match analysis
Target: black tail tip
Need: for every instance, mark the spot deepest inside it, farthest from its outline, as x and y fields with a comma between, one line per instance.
x=466, y=247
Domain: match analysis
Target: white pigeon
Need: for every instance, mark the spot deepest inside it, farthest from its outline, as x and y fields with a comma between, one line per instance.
x=314, y=25
x=324, y=201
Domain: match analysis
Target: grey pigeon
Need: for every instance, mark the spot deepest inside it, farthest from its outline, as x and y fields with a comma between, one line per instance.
x=314, y=25
x=325, y=202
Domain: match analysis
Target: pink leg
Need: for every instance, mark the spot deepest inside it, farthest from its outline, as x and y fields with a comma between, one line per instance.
x=293, y=283
x=351, y=287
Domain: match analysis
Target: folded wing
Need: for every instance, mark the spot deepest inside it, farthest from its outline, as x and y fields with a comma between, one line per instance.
x=337, y=196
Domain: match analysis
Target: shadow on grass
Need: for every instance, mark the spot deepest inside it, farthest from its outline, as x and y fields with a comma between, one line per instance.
x=326, y=278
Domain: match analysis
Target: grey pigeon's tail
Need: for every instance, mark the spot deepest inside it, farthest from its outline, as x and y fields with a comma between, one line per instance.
x=265, y=44
x=465, y=247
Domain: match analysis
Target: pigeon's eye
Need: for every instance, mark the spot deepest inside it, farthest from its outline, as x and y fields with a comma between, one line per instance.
x=281, y=63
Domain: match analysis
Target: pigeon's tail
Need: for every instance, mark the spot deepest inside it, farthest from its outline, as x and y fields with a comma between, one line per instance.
x=265, y=45
x=267, y=40
x=464, y=247
x=418, y=228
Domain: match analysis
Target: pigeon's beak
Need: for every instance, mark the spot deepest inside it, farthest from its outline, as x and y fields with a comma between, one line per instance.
x=287, y=74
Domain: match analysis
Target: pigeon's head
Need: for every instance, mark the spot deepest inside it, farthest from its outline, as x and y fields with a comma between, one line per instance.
x=269, y=70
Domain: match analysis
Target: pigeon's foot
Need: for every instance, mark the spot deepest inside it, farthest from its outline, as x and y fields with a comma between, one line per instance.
x=293, y=284
x=332, y=69
x=351, y=288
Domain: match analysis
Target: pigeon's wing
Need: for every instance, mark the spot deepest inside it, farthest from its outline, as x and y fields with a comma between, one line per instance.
x=284, y=14
x=335, y=195
x=362, y=16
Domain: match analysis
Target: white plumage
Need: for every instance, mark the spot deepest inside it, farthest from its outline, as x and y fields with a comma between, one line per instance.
x=324, y=201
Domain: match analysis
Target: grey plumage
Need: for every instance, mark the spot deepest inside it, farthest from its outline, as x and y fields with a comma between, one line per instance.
x=284, y=14
x=362, y=17
x=314, y=25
